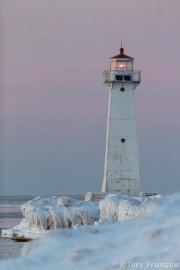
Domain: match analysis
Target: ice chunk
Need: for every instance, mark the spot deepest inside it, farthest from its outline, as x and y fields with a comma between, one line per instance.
x=89, y=196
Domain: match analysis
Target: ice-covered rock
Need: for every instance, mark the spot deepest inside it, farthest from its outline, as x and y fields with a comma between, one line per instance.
x=42, y=214
x=62, y=212
x=118, y=207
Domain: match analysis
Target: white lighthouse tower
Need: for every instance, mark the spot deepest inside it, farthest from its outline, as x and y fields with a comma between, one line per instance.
x=121, y=170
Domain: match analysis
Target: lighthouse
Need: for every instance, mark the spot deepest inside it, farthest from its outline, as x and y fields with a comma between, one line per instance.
x=121, y=169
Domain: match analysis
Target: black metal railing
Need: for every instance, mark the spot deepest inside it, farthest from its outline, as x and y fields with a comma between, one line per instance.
x=122, y=76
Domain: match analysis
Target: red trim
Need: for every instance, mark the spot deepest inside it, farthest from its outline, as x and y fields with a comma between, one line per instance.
x=122, y=55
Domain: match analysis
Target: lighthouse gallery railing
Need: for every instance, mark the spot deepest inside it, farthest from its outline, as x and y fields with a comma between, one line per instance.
x=122, y=76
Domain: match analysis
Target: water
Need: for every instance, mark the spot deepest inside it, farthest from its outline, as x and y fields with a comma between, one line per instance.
x=10, y=215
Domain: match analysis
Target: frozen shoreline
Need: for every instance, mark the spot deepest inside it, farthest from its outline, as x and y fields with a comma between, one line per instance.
x=42, y=215
x=149, y=242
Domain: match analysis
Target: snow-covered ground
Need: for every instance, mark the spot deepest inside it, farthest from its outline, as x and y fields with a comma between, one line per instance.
x=150, y=240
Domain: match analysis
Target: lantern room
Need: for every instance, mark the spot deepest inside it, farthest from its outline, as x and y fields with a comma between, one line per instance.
x=121, y=70
x=121, y=61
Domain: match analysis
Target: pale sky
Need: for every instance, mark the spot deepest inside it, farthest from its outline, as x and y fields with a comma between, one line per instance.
x=53, y=105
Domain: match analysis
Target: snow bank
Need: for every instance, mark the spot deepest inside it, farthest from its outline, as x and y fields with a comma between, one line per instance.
x=151, y=242
x=41, y=214
x=121, y=207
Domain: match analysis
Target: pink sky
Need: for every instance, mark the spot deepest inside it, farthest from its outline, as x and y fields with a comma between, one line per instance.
x=53, y=102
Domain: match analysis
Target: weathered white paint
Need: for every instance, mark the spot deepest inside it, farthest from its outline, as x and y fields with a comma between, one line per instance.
x=121, y=170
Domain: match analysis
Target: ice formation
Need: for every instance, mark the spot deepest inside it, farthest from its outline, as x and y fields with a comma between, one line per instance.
x=150, y=242
x=42, y=214
x=121, y=207
x=89, y=196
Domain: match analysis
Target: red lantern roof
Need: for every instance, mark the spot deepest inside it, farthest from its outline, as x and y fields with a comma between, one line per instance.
x=121, y=55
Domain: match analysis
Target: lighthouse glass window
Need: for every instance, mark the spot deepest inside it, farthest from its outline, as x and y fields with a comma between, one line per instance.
x=121, y=65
